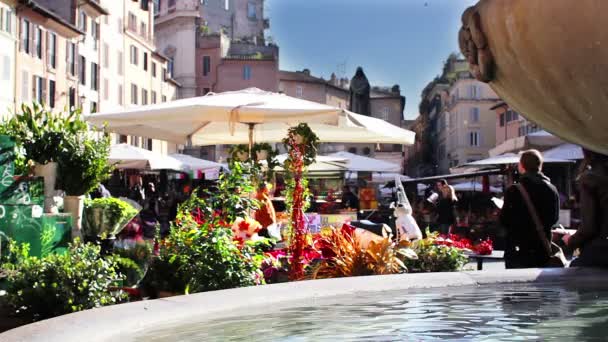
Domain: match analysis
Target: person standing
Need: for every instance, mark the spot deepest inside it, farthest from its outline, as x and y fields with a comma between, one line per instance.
x=591, y=237
x=138, y=193
x=446, y=207
x=524, y=246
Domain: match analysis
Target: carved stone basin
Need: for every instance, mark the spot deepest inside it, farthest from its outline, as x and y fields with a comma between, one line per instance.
x=546, y=58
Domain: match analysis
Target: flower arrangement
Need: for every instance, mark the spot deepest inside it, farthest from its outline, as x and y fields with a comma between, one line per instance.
x=245, y=229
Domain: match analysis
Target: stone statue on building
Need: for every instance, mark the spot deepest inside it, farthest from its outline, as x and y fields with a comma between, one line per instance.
x=359, y=93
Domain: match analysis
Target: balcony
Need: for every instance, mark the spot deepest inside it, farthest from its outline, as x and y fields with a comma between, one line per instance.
x=93, y=8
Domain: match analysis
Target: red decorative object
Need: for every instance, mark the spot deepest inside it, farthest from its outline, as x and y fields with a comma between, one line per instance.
x=298, y=232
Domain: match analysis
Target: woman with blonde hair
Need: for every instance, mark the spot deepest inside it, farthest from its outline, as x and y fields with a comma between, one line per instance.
x=446, y=207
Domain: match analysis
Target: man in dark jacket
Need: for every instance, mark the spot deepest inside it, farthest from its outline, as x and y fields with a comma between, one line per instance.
x=524, y=248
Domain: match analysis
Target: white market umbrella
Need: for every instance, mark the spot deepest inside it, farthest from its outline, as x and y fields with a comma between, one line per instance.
x=191, y=164
x=359, y=163
x=382, y=177
x=125, y=156
x=565, y=151
x=511, y=158
x=473, y=186
x=240, y=117
x=321, y=164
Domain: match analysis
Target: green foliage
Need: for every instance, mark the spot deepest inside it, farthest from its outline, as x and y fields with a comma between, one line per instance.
x=309, y=144
x=131, y=270
x=106, y=216
x=83, y=163
x=40, y=134
x=435, y=258
x=40, y=288
x=198, y=260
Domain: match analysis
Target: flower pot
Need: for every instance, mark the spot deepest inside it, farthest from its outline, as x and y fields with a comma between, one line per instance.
x=261, y=155
x=298, y=139
x=74, y=205
x=242, y=155
x=549, y=67
x=49, y=173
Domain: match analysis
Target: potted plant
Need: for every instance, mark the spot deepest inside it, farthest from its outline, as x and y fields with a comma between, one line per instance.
x=39, y=135
x=83, y=164
x=103, y=218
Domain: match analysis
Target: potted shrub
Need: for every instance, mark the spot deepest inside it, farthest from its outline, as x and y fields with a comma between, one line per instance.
x=105, y=217
x=83, y=164
x=39, y=135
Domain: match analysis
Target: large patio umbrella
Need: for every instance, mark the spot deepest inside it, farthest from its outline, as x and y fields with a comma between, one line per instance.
x=321, y=164
x=361, y=163
x=241, y=117
x=125, y=156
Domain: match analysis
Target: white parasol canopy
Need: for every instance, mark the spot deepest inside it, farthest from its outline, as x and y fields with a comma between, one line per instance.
x=321, y=164
x=362, y=164
x=191, y=164
x=511, y=158
x=565, y=151
x=126, y=156
x=238, y=117
x=473, y=186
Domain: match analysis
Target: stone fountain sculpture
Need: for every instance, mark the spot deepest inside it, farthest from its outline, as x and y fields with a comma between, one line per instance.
x=546, y=59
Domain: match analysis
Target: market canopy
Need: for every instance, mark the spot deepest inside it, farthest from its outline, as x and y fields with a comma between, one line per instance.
x=565, y=151
x=359, y=163
x=509, y=159
x=194, y=166
x=473, y=186
x=231, y=117
x=540, y=140
x=125, y=156
x=321, y=164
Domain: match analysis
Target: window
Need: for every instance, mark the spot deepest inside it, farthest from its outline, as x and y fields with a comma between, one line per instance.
x=52, y=49
x=164, y=98
x=145, y=62
x=156, y=7
x=25, y=36
x=39, y=85
x=366, y=151
x=164, y=74
x=132, y=22
x=6, y=68
x=515, y=116
x=94, y=76
x=122, y=139
x=502, y=120
x=171, y=3
x=120, y=95
x=134, y=141
x=83, y=70
x=133, y=94
x=206, y=91
x=352, y=150
x=95, y=34
x=153, y=69
x=227, y=5
x=509, y=116
x=72, y=97
x=7, y=21
x=144, y=97
x=106, y=55
x=143, y=30
x=299, y=91
x=93, y=107
x=143, y=4
x=38, y=42
x=246, y=72
x=25, y=86
x=170, y=66
x=474, y=92
x=206, y=65
x=71, y=58
x=147, y=144
x=82, y=21
x=133, y=55
x=384, y=113
x=106, y=90
x=119, y=63
x=153, y=99
x=474, y=138
x=251, y=10
x=474, y=115
x=52, y=93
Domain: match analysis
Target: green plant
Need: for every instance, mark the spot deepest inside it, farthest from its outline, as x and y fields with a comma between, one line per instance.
x=202, y=259
x=83, y=163
x=435, y=258
x=81, y=279
x=106, y=216
x=39, y=134
x=303, y=137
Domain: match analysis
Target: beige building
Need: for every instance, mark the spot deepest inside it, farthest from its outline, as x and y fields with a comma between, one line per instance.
x=8, y=48
x=467, y=126
x=46, y=69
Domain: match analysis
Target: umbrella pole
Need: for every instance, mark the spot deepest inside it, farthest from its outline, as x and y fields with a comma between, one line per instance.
x=251, y=127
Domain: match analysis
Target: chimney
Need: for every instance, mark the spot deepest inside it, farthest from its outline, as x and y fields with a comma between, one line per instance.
x=344, y=82
x=333, y=80
x=306, y=72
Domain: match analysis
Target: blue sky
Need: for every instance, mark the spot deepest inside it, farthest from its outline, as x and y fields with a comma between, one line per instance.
x=395, y=41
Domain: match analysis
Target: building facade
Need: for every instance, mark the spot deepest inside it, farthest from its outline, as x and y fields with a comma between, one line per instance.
x=8, y=48
x=510, y=124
